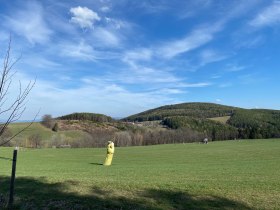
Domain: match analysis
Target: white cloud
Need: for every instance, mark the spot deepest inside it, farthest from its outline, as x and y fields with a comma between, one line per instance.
x=268, y=16
x=217, y=76
x=142, y=54
x=117, y=24
x=234, y=68
x=146, y=75
x=105, y=9
x=97, y=96
x=193, y=85
x=29, y=22
x=193, y=8
x=79, y=50
x=84, y=51
x=84, y=17
x=237, y=9
x=195, y=39
x=104, y=37
x=41, y=62
x=251, y=42
x=210, y=56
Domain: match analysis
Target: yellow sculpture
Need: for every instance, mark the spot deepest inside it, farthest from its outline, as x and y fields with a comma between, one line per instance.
x=110, y=153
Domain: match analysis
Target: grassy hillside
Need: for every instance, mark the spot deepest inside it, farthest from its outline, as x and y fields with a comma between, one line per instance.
x=220, y=175
x=46, y=135
x=222, y=120
x=33, y=129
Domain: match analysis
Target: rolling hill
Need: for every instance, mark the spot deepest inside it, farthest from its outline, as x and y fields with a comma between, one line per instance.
x=197, y=110
x=217, y=121
x=180, y=123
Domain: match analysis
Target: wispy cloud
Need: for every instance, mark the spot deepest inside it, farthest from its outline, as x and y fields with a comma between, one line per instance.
x=105, y=97
x=79, y=50
x=193, y=8
x=105, y=9
x=225, y=85
x=210, y=56
x=154, y=52
x=105, y=38
x=216, y=76
x=159, y=52
x=29, y=22
x=234, y=68
x=238, y=9
x=268, y=16
x=41, y=62
x=82, y=50
x=146, y=75
x=84, y=17
x=250, y=42
x=116, y=23
x=193, y=85
x=195, y=39
x=132, y=56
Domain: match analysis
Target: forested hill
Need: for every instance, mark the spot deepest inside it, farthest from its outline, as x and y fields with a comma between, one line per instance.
x=86, y=116
x=196, y=110
x=202, y=117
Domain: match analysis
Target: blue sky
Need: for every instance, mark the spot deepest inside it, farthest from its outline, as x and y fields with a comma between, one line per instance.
x=123, y=57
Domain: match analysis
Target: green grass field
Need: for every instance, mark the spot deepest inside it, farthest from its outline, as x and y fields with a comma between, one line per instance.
x=220, y=175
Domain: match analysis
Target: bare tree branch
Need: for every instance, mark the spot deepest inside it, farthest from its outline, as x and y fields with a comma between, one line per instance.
x=17, y=107
x=22, y=130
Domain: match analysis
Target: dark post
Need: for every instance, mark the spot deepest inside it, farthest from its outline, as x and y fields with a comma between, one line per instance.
x=11, y=198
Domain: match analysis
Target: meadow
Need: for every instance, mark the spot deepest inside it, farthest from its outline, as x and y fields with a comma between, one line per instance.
x=46, y=134
x=220, y=175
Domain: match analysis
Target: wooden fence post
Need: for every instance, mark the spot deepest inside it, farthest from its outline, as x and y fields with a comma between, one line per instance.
x=11, y=198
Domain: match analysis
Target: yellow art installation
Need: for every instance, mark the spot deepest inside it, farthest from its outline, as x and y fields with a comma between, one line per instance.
x=110, y=153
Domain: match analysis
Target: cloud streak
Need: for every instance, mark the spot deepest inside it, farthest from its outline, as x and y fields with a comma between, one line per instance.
x=268, y=16
x=29, y=22
x=192, y=41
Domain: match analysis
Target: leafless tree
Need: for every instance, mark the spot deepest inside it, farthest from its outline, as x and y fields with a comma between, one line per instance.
x=35, y=140
x=48, y=121
x=12, y=109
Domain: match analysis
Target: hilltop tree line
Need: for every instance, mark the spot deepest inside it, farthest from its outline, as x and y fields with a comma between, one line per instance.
x=87, y=116
x=194, y=110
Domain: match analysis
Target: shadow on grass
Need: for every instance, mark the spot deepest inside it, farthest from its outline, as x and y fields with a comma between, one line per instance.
x=37, y=194
x=4, y=158
x=98, y=164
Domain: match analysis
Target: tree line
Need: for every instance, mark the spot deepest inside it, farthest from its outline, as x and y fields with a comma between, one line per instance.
x=211, y=129
x=86, y=116
x=256, y=124
x=195, y=110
